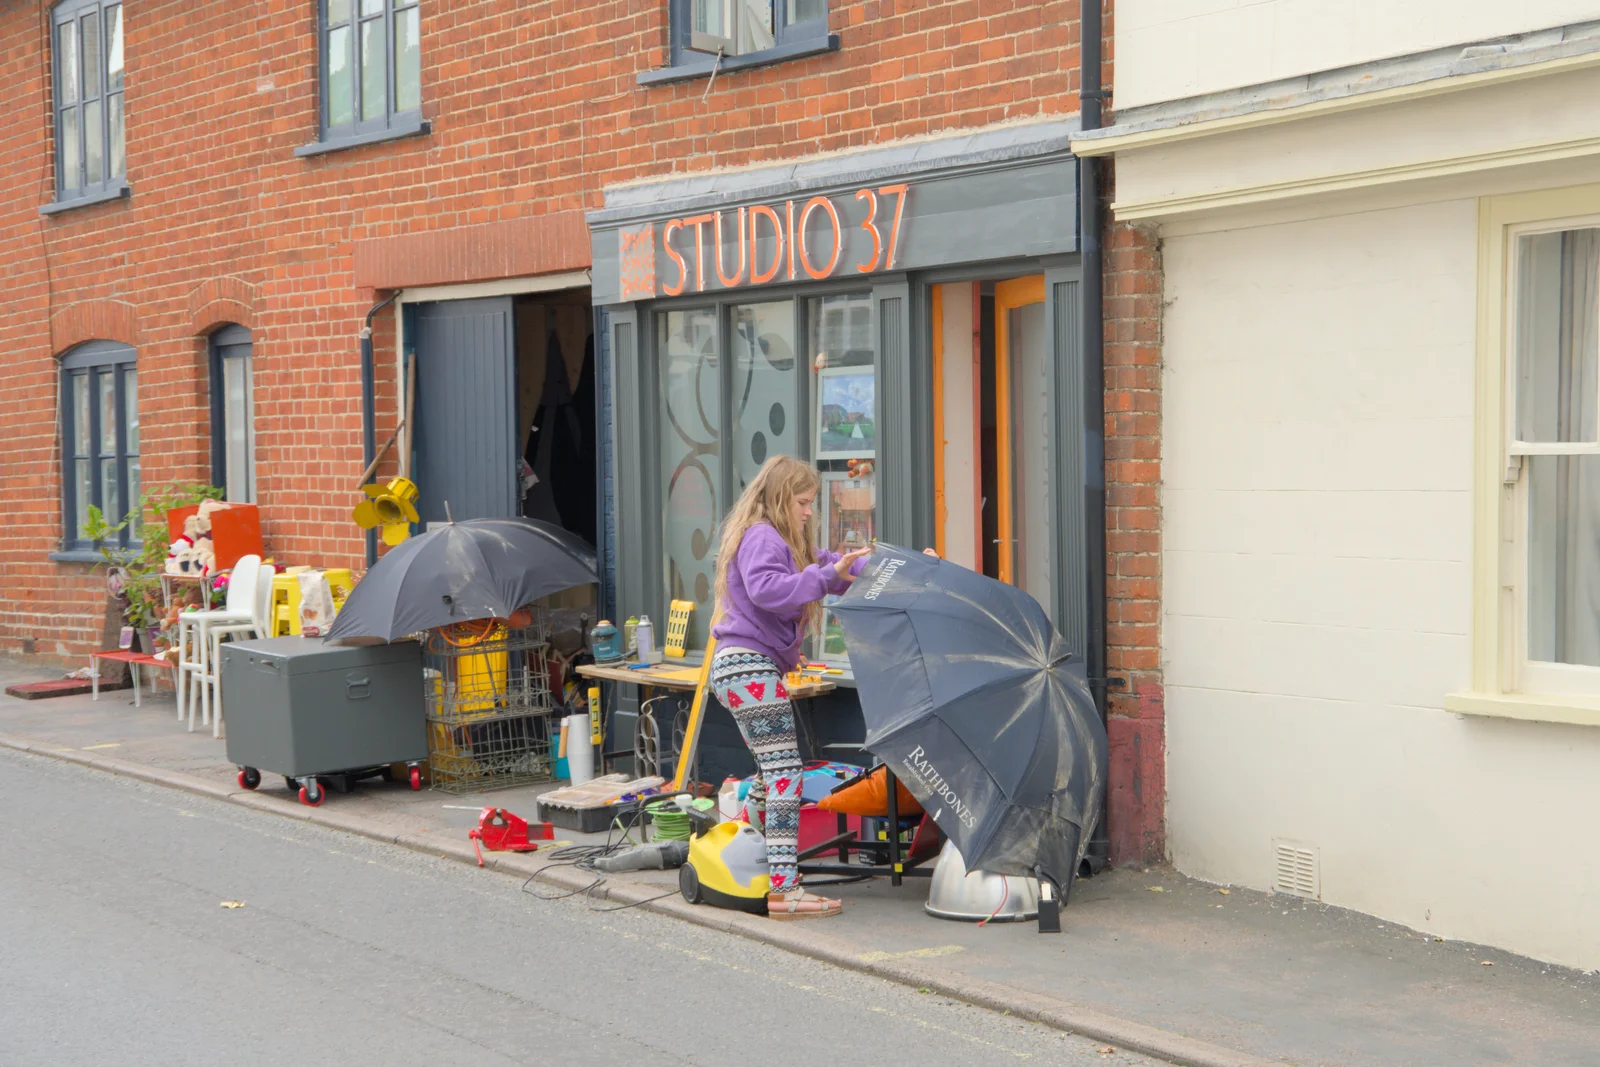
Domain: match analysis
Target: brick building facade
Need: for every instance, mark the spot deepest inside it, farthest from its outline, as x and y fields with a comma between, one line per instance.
x=531, y=110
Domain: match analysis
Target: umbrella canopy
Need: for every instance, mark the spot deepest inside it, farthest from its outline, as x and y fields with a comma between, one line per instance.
x=478, y=569
x=972, y=698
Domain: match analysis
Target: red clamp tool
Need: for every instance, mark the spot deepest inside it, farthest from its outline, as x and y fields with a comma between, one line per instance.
x=501, y=831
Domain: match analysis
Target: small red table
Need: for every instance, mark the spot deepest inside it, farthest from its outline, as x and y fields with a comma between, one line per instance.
x=134, y=660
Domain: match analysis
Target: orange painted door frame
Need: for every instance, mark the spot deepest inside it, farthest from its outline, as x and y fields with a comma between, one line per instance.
x=1008, y=296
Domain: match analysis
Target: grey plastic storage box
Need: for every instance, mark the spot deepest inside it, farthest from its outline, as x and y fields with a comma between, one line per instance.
x=299, y=707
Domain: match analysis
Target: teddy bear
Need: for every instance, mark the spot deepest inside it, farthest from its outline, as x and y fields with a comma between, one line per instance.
x=193, y=552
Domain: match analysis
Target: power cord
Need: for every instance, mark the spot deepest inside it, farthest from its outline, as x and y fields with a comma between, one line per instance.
x=582, y=858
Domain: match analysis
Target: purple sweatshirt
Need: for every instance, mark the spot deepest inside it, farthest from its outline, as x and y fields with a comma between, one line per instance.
x=767, y=596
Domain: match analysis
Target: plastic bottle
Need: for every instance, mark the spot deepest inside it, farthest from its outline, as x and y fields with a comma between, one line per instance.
x=645, y=637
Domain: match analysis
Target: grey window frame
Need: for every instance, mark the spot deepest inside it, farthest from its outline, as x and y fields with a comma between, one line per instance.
x=111, y=186
x=651, y=402
x=793, y=41
x=232, y=342
x=392, y=124
x=90, y=360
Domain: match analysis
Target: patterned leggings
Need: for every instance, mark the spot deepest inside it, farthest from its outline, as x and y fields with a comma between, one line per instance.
x=749, y=686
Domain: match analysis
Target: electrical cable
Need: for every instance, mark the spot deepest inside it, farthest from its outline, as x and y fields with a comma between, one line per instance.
x=582, y=857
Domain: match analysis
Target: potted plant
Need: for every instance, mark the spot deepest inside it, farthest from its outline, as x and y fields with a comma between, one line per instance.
x=135, y=573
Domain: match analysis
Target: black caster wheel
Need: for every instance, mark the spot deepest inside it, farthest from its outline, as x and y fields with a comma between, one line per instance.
x=689, y=884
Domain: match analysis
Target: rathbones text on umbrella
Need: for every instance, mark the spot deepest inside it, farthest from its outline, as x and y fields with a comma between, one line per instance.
x=918, y=764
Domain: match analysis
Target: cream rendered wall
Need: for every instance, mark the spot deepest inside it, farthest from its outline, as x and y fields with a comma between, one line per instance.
x=1317, y=459
x=1170, y=49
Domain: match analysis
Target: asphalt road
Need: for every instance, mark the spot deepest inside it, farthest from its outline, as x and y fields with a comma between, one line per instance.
x=115, y=949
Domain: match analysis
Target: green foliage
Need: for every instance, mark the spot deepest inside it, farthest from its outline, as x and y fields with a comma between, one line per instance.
x=143, y=566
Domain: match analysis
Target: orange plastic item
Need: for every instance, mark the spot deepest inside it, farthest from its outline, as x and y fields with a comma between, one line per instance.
x=235, y=531
x=869, y=797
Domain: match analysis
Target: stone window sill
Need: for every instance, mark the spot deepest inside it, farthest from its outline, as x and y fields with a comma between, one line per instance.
x=701, y=67
x=119, y=191
x=1529, y=707
x=405, y=126
x=77, y=555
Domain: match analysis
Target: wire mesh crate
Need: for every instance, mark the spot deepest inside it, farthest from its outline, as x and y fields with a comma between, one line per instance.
x=491, y=722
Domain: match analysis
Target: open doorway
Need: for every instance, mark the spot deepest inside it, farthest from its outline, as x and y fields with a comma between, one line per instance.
x=556, y=478
x=993, y=486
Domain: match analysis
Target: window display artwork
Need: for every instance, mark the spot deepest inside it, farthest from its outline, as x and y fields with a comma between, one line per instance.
x=846, y=413
x=847, y=520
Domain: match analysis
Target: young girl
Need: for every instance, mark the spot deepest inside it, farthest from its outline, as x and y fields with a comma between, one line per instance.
x=770, y=585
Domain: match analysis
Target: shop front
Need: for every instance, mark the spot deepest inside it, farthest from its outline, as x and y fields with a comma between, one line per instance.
x=905, y=318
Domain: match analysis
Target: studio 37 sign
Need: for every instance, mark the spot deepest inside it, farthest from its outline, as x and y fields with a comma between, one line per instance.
x=764, y=244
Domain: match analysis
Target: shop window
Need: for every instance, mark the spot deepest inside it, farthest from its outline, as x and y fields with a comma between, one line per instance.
x=844, y=434
x=728, y=35
x=691, y=459
x=86, y=49
x=99, y=439
x=371, y=73
x=233, y=432
x=800, y=379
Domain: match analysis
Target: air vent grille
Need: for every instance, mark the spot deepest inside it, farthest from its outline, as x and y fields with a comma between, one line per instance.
x=1298, y=869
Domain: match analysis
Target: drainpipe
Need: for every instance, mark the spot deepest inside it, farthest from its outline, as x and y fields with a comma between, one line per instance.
x=1090, y=99
x=369, y=415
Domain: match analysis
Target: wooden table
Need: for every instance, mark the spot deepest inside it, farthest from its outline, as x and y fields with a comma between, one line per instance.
x=683, y=677
x=134, y=660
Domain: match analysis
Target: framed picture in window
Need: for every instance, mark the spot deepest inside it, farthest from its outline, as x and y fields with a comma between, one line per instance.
x=847, y=425
x=847, y=520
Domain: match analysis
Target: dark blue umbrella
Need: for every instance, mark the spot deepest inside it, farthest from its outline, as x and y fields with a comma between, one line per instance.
x=972, y=698
x=478, y=569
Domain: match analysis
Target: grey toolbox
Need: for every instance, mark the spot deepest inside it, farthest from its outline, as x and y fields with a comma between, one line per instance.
x=306, y=709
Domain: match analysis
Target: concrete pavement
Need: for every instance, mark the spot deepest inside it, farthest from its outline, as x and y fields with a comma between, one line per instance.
x=1187, y=973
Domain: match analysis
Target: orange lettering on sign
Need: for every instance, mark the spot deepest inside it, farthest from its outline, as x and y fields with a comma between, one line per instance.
x=838, y=237
x=757, y=275
x=899, y=191
x=792, y=240
x=698, y=222
x=672, y=227
x=871, y=226
x=716, y=235
x=789, y=206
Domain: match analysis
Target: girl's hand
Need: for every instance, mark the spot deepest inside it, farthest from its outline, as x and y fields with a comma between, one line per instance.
x=846, y=561
x=930, y=552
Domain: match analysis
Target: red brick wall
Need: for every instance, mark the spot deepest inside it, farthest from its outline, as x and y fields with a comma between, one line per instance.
x=535, y=108
x=1132, y=301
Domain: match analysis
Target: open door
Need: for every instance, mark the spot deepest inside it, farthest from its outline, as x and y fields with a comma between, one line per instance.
x=466, y=443
x=1022, y=435
x=993, y=490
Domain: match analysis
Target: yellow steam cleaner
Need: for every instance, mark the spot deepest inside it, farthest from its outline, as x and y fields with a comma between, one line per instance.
x=727, y=865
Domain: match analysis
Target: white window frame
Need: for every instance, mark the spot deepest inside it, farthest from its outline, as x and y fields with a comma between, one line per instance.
x=1505, y=683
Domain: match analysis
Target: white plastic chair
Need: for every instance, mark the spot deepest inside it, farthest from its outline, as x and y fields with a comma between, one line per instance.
x=256, y=627
x=193, y=668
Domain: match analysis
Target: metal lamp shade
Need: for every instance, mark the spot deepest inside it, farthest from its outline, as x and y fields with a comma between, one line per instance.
x=956, y=893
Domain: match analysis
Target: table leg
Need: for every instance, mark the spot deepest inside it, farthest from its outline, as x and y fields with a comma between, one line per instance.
x=134, y=668
x=94, y=676
x=892, y=785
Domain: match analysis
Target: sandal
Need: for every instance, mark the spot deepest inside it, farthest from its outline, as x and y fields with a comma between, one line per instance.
x=801, y=905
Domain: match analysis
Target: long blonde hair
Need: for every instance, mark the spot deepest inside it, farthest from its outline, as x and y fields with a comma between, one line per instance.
x=769, y=498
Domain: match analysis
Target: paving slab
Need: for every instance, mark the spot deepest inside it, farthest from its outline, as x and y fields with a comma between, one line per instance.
x=1168, y=965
